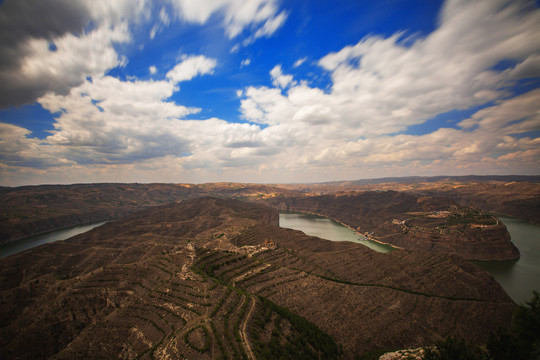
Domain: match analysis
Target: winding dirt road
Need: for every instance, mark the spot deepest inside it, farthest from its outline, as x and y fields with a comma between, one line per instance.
x=243, y=333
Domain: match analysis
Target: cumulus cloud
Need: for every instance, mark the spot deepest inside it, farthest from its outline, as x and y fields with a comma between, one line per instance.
x=279, y=79
x=47, y=45
x=18, y=150
x=53, y=45
x=13, y=142
x=108, y=121
x=381, y=86
x=63, y=66
x=190, y=67
x=264, y=105
x=236, y=15
x=449, y=69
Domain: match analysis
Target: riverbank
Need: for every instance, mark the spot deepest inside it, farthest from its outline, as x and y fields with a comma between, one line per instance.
x=336, y=231
x=15, y=247
x=519, y=278
x=381, y=216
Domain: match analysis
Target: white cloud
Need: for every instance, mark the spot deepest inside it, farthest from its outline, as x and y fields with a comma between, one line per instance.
x=18, y=149
x=114, y=12
x=266, y=106
x=164, y=17
x=108, y=120
x=190, y=67
x=299, y=62
x=164, y=21
x=154, y=31
x=13, y=141
x=315, y=114
x=513, y=116
x=235, y=48
x=245, y=62
x=380, y=87
x=83, y=34
x=271, y=25
x=236, y=14
x=268, y=29
x=279, y=79
x=64, y=67
x=152, y=70
x=298, y=132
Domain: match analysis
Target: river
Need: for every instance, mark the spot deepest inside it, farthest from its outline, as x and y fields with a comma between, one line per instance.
x=28, y=243
x=518, y=278
x=327, y=229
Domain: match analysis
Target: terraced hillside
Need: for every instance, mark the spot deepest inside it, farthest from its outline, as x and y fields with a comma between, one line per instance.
x=212, y=278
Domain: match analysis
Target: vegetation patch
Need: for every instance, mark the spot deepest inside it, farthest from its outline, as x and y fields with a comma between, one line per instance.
x=198, y=338
x=520, y=342
x=467, y=216
x=302, y=340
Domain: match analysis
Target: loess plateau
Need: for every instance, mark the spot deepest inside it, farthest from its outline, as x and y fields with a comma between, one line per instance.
x=207, y=278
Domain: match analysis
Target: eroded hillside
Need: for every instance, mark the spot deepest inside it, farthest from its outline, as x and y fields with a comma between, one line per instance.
x=210, y=278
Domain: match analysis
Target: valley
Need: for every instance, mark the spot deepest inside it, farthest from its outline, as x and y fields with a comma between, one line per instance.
x=216, y=276
x=379, y=208
x=204, y=271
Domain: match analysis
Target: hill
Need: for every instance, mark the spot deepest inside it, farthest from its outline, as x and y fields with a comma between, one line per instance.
x=442, y=214
x=31, y=210
x=210, y=277
x=512, y=195
x=406, y=220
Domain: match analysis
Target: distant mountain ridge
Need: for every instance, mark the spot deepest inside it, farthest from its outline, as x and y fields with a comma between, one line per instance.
x=31, y=210
x=420, y=179
x=512, y=195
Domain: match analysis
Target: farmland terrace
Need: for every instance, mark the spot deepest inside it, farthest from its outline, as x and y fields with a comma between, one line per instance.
x=217, y=278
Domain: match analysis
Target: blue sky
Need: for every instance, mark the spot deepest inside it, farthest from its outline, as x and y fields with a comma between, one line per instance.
x=266, y=90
